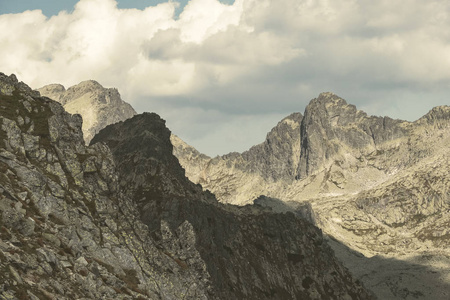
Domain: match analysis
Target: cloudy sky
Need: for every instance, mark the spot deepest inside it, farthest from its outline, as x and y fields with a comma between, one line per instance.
x=223, y=73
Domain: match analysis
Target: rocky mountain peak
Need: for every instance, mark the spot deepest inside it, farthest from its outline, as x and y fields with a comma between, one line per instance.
x=118, y=219
x=87, y=84
x=10, y=84
x=53, y=91
x=332, y=109
x=99, y=106
x=147, y=135
x=277, y=157
x=87, y=87
x=329, y=97
x=378, y=184
x=439, y=116
x=331, y=127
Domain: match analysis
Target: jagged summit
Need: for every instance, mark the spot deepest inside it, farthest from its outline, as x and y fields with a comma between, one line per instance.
x=99, y=106
x=298, y=147
x=329, y=97
x=145, y=137
x=332, y=128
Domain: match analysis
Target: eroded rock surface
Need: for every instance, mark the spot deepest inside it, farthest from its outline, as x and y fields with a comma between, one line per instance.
x=238, y=178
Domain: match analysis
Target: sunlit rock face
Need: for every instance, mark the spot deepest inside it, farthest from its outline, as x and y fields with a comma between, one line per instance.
x=97, y=105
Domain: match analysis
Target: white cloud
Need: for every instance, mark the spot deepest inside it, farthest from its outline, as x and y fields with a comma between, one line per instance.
x=250, y=60
x=201, y=19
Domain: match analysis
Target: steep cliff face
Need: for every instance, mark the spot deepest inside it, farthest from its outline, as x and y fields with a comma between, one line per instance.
x=99, y=106
x=249, y=252
x=80, y=222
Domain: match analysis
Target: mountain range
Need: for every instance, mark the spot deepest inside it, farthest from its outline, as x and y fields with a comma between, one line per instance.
x=377, y=185
x=377, y=188
x=372, y=184
x=118, y=219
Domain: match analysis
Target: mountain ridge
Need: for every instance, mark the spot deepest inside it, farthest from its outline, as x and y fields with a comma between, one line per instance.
x=123, y=222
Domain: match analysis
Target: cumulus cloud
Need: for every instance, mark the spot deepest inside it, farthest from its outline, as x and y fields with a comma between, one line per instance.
x=218, y=68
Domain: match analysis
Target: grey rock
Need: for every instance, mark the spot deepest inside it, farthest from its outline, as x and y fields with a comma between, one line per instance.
x=15, y=275
x=236, y=178
x=97, y=105
x=27, y=226
x=81, y=262
x=52, y=239
x=331, y=126
x=91, y=206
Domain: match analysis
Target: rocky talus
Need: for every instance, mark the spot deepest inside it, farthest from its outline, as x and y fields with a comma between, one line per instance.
x=97, y=105
x=380, y=186
x=118, y=219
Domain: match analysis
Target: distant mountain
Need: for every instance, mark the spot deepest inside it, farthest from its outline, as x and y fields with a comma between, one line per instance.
x=119, y=220
x=99, y=106
x=379, y=185
x=239, y=178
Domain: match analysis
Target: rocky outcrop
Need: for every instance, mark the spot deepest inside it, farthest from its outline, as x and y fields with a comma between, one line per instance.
x=97, y=105
x=80, y=222
x=249, y=252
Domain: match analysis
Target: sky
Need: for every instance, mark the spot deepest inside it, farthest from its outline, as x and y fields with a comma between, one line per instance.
x=223, y=73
